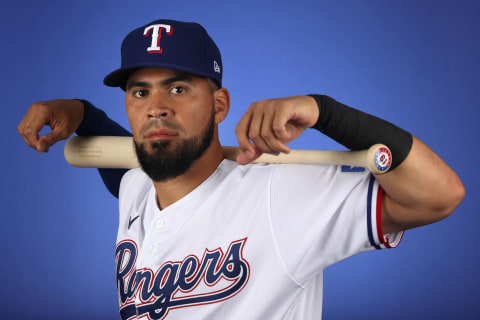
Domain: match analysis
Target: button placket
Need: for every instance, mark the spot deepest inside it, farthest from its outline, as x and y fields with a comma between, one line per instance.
x=160, y=224
x=153, y=248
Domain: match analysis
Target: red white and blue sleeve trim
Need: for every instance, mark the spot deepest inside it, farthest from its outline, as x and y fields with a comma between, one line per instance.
x=374, y=219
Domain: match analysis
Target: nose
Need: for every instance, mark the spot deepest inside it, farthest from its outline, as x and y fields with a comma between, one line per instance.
x=159, y=108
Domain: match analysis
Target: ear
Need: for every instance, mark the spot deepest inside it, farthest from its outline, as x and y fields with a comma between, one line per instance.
x=221, y=99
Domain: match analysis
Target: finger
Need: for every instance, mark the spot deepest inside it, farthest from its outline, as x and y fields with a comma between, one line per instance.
x=48, y=140
x=20, y=131
x=255, y=132
x=268, y=135
x=279, y=126
x=243, y=159
x=30, y=126
x=241, y=132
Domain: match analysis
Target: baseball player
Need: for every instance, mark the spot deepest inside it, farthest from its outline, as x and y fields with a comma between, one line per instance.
x=202, y=237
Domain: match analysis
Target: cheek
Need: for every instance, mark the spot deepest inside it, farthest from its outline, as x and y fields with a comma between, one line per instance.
x=199, y=120
x=134, y=120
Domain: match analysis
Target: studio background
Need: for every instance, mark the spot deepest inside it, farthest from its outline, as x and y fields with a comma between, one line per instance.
x=414, y=63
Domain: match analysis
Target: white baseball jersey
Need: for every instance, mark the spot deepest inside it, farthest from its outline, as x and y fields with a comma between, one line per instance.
x=250, y=242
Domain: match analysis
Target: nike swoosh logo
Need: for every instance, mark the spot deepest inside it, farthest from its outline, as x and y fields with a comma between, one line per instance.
x=130, y=221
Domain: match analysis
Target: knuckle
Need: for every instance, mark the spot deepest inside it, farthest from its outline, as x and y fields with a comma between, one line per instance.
x=272, y=104
x=38, y=106
x=256, y=106
x=27, y=131
x=266, y=134
x=277, y=128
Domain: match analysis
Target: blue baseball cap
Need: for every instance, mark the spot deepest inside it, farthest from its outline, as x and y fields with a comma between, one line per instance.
x=183, y=46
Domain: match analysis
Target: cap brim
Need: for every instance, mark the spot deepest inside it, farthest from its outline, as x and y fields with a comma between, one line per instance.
x=118, y=78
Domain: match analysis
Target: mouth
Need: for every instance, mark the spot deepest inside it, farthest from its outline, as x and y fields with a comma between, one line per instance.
x=160, y=134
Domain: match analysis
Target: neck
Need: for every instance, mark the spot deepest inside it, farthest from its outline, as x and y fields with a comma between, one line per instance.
x=173, y=190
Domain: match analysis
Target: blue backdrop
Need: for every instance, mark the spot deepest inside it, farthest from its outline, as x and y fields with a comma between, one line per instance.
x=414, y=63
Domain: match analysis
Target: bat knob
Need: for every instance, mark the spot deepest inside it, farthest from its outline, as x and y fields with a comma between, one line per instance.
x=379, y=159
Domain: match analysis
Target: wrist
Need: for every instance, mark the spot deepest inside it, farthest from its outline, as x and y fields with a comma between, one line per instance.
x=315, y=110
x=83, y=107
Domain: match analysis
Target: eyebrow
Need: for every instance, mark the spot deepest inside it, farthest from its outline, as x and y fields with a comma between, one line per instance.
x=134, y=84
x=182, y=77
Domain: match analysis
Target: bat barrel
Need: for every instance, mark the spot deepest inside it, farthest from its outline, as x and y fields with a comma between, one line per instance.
x=101, y=152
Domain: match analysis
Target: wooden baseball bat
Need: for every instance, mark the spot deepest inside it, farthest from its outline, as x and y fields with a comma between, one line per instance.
x=119, y=152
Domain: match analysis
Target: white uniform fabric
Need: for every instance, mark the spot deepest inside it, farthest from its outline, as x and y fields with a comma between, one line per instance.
x=250, y=242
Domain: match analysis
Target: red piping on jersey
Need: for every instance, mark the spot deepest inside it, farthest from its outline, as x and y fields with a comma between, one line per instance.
x=383, y=239
x=379, y=215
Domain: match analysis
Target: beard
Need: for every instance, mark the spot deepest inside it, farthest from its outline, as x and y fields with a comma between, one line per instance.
x=164, y=162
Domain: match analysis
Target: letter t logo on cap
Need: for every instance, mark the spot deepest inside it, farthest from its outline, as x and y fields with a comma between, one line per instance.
x=156, y=36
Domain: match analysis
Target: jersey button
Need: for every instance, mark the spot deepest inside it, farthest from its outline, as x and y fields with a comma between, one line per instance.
x=153, y=248
x=160, y=224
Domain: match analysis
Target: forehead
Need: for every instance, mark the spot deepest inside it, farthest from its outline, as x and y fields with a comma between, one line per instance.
x=159, y=74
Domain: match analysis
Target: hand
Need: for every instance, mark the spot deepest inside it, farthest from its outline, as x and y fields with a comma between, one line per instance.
x=63, y=117
x=270, y=124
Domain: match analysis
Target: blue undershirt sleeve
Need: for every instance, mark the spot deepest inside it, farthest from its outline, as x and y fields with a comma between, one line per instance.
x=96, y=123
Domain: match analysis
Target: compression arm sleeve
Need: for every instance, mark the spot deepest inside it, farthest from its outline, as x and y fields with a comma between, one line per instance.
x=96, y=123
x=357, y=130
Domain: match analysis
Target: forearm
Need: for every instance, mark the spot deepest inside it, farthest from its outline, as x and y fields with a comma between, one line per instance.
x=96, y=123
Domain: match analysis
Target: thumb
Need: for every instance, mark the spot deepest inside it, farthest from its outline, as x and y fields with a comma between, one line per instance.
x=48, y=140
x=246, y=157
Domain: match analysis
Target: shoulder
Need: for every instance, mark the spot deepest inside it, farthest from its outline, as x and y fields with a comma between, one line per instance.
x=134, y=184
x=134, y=176
x=229, y=169
x=293, y=175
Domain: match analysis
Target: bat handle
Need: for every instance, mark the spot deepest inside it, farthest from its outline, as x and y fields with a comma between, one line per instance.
x=379, y=159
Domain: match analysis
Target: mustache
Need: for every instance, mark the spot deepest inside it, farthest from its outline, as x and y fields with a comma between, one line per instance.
x=161, y=124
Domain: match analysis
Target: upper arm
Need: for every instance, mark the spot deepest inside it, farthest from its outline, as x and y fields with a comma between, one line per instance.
x=422, y=190
x=396, y=217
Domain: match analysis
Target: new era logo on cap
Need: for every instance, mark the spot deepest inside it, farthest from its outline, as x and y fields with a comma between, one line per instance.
x=183, y=46
x=216, y=67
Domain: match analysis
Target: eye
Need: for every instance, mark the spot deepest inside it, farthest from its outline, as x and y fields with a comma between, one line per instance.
x=177, y=90
x=140, y=93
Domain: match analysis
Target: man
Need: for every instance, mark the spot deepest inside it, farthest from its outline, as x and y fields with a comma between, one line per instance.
x=207, y=238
